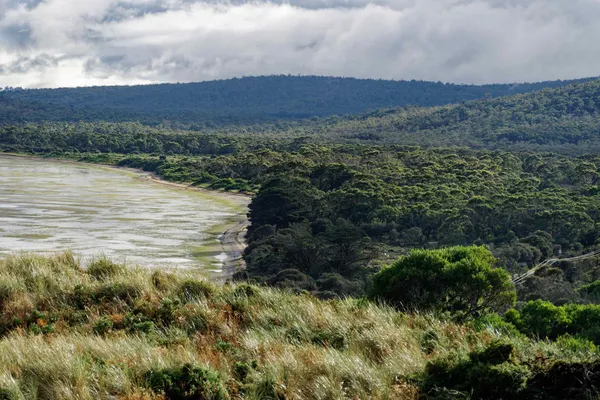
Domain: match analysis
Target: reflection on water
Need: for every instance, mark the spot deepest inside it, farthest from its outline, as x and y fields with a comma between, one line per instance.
x=50, y=206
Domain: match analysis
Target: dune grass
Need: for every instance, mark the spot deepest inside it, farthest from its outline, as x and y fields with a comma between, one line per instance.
x=106, y=331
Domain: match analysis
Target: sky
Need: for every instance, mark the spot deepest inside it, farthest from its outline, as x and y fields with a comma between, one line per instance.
x=60, y=43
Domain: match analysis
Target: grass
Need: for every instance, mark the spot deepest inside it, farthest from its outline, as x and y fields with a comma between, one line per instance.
x=106, y=331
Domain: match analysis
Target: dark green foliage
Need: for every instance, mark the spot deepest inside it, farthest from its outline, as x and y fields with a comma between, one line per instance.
x=102, y=325
x=489, y=374
x=334, y=196
x=563, y=119
x=224, y=346
x=497, y=373
x=6, y=394
x=247, y=100
x=543, y=319
x=241, y=371
x=591, y=291
x=461, y=280
x=292, y=279
x=577, y=381
x=139, y=323
x=546, y=320
x=187, y=383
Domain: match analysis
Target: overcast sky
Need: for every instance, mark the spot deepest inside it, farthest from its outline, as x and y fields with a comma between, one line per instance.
x=55, y=43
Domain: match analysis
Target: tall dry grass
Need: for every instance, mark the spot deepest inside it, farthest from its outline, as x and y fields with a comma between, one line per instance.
x=95, y=332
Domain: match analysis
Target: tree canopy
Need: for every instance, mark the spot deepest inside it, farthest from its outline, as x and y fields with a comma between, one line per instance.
x=461, y=280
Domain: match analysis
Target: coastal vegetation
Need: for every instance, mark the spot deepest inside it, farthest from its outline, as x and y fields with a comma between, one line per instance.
x=107, y=331
x=390, y=254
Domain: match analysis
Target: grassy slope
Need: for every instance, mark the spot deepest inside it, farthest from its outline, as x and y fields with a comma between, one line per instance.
x=69, y=332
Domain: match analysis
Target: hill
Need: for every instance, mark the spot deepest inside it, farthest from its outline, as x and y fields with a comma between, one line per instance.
x=240, y=101
x=563, y=119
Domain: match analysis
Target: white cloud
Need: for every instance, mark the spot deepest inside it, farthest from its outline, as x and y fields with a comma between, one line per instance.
x=71, y=42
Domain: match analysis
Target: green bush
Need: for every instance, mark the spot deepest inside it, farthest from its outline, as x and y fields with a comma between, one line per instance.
x=576, y=344
x=187, y=383
x=241, y=371
x=102, y=326
x=591, y=291
x=461, y=280
x=545, y=320
x=488, y=374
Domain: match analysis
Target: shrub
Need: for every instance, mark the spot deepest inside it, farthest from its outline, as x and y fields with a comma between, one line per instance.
x=294, y=280
x=576, y=344
x=187, y=383
x=592, y=291
x=461, y=280
x=543, y=319
x=102, y=325
x=241, y=371
x=487, y=374
x=138, y=323
x=335, y=283
x=82, y=296
x=223, y=346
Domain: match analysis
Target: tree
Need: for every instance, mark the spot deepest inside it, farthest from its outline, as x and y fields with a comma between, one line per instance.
x=461, y=280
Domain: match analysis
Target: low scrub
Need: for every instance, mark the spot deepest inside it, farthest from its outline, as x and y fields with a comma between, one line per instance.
x=70, y=331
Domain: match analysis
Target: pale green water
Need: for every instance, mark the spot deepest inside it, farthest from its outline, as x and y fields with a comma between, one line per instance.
x=52, y=206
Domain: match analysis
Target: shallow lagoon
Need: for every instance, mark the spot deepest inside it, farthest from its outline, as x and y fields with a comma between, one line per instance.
x=50, y=205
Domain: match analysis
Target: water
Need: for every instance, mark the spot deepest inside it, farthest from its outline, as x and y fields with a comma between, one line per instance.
x=48, y=206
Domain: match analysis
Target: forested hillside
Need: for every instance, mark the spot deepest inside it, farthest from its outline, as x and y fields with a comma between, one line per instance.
x=565, y=119
x=240, y=101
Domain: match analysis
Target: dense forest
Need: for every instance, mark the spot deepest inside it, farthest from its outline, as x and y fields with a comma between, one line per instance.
x=445, y=211
x=240, y=101
x=346, y=206
x=562, y=120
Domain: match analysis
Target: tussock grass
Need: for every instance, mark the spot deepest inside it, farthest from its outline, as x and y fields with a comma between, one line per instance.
x=99, y=331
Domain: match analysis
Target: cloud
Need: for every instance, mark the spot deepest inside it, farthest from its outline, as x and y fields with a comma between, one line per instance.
x=53, y=43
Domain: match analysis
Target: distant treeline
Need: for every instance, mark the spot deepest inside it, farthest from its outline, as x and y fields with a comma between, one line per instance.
x=245, y=101
x=564, y=120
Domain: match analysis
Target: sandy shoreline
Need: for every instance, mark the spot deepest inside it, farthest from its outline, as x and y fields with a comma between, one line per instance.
x=232, y=231
x=232, y=238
